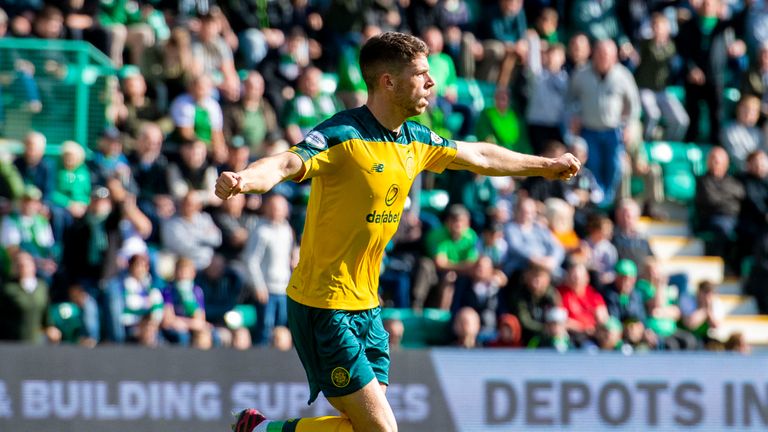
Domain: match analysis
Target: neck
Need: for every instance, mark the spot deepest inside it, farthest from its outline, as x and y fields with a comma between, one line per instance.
x=383, y=112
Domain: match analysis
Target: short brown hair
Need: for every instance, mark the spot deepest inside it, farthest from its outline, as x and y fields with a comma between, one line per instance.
x=388, y=51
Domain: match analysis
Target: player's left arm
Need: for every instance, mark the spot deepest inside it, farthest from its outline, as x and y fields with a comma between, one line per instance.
x=493, y=160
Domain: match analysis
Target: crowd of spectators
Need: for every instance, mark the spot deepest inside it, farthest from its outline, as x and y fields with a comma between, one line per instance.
x=132, y=240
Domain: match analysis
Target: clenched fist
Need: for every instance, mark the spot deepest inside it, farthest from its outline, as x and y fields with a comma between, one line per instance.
x=228, y=185
x=564, y=167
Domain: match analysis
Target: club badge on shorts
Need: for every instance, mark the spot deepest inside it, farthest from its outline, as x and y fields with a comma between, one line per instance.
x=340, y=377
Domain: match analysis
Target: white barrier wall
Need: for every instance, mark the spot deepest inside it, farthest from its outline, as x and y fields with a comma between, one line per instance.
x=116, y=389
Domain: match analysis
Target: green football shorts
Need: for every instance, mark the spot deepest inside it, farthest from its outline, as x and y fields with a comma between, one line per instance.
x=341, y=351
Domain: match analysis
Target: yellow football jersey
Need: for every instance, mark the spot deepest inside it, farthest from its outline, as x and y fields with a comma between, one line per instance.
x=361, y=174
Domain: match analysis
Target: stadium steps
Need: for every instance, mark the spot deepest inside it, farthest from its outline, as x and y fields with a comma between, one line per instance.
x=666, y=247
x=754, y=328
x=663, y=228
x=698, y=269
x=730, y=285
x=738, y=305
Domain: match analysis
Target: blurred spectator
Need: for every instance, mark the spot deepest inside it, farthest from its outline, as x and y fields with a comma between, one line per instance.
x=110, y=161
x=637, y=338
x=282, y=339
x=530, y=242
x=509, y=333
x=492, y=243
x=134, y=304
x=737, y=342
x=755, y=280
x=500, y=123
x=251, y=117
x=531, y=301
x=540, y=188
x=222, y=289
x=753, y=213
x=269, y=258
x=453, y=249
x=706, y=43
x=609, y=335
x=11, y=182
x=481, y=293
x=309, y=107
x=170, y=66
x=623, y=301
x=191, y=233
x=755, y=26
x=754, y=80
x=197, y=116
x=443, y=71
x=630, y=242
x=708, y=315
x=717, y=202
x=137, y=107
x=662, y=300
x=24, y=302
x=183, y=320
x=547, y=26
x=578, y=54
x=236, y=224
x=586, y=190
x=547, y=86
x=585, y=307
x=654, y=74
x=72, y=189
x=603, y=254
x=256, y=28
x=559, y=215
x=28, y=229
x=148, y=169
x=504, y=43
x=555, y=333
x=466, y=327
x=193, y=174
x=741, y=136
x=32, y=165
x=396, y=330
x=352, y=89
x=283, y=66
x=125, y=22
x=604, y=101
x=212, y=51
x=599, y=20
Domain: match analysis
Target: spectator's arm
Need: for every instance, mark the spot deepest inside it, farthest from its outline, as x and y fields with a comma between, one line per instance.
x=253, y=255
x=534, y=53
x=210, y=233
x=11, y=175
x=632, y=107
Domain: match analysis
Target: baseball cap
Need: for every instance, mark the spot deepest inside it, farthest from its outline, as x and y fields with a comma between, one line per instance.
x=626, y=267
x=31, y=192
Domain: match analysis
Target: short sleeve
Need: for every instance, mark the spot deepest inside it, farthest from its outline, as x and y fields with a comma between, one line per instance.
x=183, y=113
x=438, y=153
x=318, y=156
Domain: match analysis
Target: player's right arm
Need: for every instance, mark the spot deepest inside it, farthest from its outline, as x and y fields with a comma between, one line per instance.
x=260, y=176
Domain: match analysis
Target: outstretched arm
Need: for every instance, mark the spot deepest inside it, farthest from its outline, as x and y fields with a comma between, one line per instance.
x=260, y=176
x=493, y=160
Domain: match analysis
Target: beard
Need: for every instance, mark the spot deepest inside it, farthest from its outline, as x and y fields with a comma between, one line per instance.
x=411, y=105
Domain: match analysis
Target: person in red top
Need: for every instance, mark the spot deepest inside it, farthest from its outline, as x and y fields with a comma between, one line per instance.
x=586, y=307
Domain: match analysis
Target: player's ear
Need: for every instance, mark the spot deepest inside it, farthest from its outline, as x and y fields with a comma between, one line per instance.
x=387, y=81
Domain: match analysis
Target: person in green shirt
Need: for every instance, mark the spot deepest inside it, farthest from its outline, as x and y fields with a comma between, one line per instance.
x=309, y=107
x=453, y=248
x=708, y=315
x=72, y=189
x=662, y=306
x=24, y=301
x=443, y=70
x=252, y=117
x=500, y=124
x=131, y=25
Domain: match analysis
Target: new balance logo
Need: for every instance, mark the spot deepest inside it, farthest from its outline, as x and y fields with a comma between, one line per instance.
x=378, y=167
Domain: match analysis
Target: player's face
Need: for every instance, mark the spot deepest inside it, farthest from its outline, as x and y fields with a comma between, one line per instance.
x=412, y=87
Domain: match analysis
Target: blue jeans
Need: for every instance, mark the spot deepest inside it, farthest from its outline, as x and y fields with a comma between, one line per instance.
x=274, y=313
x=605, y=151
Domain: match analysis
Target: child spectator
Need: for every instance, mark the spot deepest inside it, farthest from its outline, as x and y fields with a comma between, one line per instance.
x=603, y=255
x=708, y=315
x=184, y=310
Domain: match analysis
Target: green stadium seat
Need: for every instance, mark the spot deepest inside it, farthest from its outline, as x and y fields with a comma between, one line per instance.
x=430, y=327
x=679, y=182
x=434, y=200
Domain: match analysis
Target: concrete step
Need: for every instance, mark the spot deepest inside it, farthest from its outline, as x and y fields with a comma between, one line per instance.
x=738, y=304
x=698, y=269
x=663, y=228
x=754, y=328
x=730, y=285
x=665, y=247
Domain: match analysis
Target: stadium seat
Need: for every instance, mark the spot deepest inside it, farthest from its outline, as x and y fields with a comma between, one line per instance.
x=430, y=327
